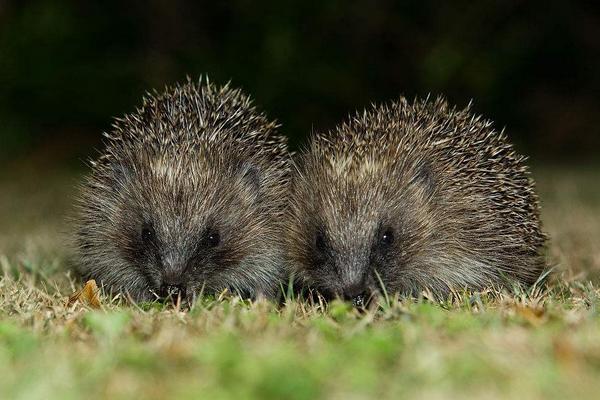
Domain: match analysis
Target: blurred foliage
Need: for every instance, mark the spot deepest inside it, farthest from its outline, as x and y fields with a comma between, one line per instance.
x=68, y=67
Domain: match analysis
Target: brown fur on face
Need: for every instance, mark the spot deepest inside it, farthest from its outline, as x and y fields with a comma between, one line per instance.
x=412, y=196
x=188, y=192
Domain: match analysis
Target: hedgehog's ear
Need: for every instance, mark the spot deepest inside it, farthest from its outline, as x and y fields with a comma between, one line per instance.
x=250, y=175
x=119, y=174
x=425, y=177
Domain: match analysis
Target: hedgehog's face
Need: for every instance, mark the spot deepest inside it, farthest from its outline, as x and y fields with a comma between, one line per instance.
x=350, y=257
x=179, y=235
x=353, y=235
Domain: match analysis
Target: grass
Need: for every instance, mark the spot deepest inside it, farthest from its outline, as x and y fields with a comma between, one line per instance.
x=542, y=343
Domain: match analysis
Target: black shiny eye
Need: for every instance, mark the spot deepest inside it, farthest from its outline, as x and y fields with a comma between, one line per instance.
x=213, y=239
x=148, y=234
x=388, y=237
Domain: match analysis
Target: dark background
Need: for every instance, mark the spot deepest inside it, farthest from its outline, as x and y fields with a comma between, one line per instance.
x=68, y=67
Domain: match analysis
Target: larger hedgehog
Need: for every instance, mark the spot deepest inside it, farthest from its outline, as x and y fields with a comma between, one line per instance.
x=412, y=196
x=186, y=197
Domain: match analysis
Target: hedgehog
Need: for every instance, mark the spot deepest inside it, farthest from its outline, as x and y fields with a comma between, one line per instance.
x=186, y=198
x=409, y=197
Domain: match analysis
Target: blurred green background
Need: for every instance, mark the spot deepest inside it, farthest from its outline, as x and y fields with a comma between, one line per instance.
x=68, y=67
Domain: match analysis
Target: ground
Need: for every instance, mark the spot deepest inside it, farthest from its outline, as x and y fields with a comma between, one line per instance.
x=539, y=343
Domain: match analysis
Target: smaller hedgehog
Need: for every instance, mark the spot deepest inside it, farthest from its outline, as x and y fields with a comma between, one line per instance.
x=186, y=198
x=411, y=197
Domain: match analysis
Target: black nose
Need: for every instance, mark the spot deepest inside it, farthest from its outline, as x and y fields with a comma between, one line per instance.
x=360, y=300
x=358, y=294
x=172, y=291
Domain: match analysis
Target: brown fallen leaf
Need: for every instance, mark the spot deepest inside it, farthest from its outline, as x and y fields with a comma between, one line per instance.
x=535, y=316
x=89, y=295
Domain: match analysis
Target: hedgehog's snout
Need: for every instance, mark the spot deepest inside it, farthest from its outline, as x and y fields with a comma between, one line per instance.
x=173, y=291
x=173, y=285
x=356, y=293
x=173, y=279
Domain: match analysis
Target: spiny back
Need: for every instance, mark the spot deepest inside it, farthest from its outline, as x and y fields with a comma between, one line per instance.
x=191, y=116
x=464, y=147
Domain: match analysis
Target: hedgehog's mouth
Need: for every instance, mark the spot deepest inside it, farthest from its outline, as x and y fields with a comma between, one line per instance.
x=189, y=295
x=174, y=298
x=359, y=301
x=362, y=300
